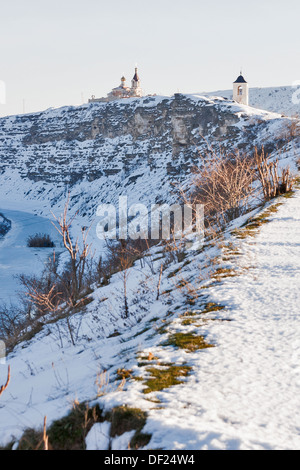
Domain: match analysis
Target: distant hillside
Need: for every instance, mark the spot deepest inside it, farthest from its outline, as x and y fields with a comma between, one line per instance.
x=134, y=147
x=274, y=99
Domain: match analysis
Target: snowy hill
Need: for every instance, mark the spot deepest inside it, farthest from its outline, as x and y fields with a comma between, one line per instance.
x=206, y=357
x=92, y=150
x=282, y=100
x=137, y=148
x=242, y=393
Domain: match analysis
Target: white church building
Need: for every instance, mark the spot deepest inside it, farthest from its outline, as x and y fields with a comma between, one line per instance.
x=122, y=91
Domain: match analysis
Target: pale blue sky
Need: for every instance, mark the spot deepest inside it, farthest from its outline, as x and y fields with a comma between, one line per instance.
x=55, y=53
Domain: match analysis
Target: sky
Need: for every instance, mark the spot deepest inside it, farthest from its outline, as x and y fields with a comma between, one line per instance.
x=60, y=52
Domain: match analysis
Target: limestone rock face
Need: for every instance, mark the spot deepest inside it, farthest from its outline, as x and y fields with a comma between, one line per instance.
x=133, y=146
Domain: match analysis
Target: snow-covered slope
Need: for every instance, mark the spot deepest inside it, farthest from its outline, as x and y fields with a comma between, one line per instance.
x=241, y=394
x=282, y=100
x=232, y=395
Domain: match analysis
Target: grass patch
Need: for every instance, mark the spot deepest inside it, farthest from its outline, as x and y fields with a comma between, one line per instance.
x=189, y=321
x=161, y=330
x=124, y=374
x=165, y=378
x=154, y=400
x=187, y=341
x=124, y=419
x=251, y=226
x=257, y=223
x=140, y=439
x=154, y=319
x=190, y=313
x=224, y=272
x=242, y=234
x=288, y=195
x=212, y=307
x=144, y=360
x=232, y=253
x=67, y=433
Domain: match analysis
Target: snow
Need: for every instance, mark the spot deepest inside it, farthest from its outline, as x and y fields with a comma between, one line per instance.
x=244, y=393
x=98, y=438
x=15, y=257
x=241, y=394
x=122, y=442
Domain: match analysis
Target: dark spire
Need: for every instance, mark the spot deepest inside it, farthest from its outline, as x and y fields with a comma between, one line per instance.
x=136, y=77
x=240, y=79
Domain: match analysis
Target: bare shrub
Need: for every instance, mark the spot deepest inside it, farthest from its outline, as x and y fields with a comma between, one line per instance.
x=273, y=182
x=223, y=185
x=40, y=240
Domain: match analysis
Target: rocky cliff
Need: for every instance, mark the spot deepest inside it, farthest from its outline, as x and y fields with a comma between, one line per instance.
x=137, y=147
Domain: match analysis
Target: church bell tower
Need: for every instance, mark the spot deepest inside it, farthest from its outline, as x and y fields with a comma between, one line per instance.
x=241, y=90
x=136, y=85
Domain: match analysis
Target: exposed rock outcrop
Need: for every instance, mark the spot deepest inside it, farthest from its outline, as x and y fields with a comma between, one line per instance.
x=138, y=147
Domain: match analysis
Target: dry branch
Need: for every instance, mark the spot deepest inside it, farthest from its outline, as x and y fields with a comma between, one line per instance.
x=4, y=387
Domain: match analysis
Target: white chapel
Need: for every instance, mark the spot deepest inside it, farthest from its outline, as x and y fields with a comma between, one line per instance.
x=122, y=91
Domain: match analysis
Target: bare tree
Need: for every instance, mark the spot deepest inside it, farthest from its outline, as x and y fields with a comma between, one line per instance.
x=78, y=253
